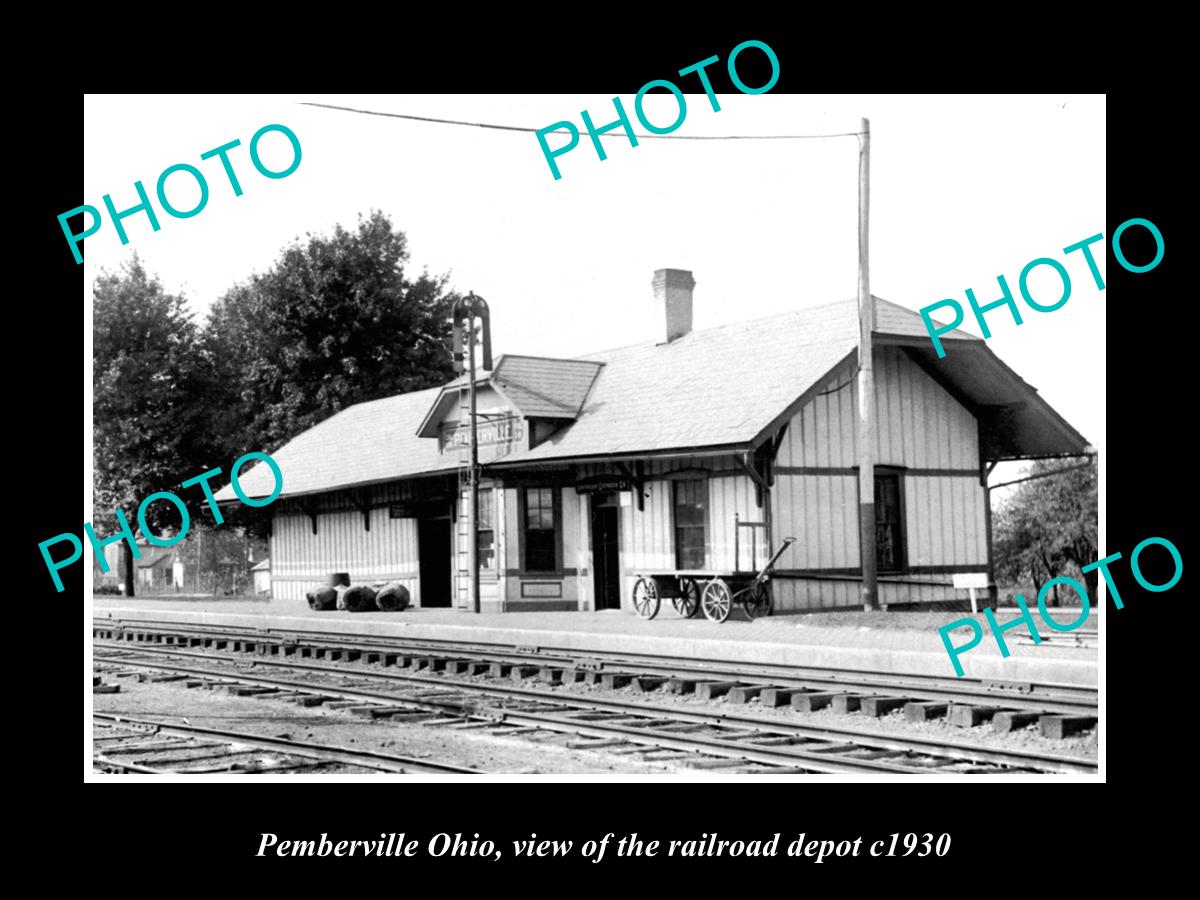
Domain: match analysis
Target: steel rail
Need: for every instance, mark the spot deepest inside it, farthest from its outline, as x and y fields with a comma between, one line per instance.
x=99, y=760
x=385, y=762
x=1056, y=698
x=868, y=740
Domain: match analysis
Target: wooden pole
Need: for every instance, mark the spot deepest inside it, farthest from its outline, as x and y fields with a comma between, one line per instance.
x=866, y=381
x=473, y=481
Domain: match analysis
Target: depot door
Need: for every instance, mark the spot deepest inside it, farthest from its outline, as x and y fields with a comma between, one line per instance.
x=606, y=551
x=433, y=546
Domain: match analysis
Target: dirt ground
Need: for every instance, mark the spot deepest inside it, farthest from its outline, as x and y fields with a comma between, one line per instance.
x=171, y=702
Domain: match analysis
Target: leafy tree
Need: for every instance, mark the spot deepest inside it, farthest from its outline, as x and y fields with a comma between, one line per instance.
x=147, y=406
x=336, y=321
x=1048, y=526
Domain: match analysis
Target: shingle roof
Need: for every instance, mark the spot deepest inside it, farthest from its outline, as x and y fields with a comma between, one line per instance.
x=717, y=387
x=153, y=558
x=368, y=442
x=546, y=388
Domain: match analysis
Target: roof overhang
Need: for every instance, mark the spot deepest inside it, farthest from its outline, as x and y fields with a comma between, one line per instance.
x=444, y=403
x=1015, y=422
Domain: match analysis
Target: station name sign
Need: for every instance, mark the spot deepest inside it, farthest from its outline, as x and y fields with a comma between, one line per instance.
x=602, y=484
x=488, y=432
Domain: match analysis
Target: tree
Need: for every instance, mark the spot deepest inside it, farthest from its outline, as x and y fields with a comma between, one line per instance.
x=334, y=322
x=147, y=415
x=1048, y=526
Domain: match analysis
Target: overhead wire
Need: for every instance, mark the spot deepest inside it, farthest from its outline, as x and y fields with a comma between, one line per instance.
x=496, y=127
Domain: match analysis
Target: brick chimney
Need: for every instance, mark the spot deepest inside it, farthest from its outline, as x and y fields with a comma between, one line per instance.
x=673, y=293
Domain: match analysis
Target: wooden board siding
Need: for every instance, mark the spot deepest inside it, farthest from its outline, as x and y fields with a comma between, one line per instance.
x=918, y=424
x=728, y=497
x=921, y=430
x=812, y=593
x=821, y=512
x=300, y=559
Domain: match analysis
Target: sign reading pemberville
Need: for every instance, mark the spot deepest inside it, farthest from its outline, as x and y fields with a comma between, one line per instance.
x=488, y=432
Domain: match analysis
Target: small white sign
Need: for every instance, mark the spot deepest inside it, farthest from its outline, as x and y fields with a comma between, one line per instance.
x=967, y=580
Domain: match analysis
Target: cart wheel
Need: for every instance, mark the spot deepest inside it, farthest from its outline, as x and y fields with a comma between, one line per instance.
x=688, y=600
x=758, y=603
x=645, y=598
x=716, y=600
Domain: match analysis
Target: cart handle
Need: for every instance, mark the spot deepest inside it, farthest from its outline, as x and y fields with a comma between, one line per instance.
x=787, y=542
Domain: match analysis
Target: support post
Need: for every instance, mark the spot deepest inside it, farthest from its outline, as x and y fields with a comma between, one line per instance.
x=866, y=382
x=473, y=481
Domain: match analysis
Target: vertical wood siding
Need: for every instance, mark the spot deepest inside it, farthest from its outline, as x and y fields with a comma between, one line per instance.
x=300, y=559
x=919, y=426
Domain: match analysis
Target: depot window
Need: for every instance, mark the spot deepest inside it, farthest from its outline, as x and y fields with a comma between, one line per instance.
x=890, y=552
x=487, y=529
x=691, y=513
x=540, y=534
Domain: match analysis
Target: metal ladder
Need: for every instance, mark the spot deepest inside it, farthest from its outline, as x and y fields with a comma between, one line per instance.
x=463, y=517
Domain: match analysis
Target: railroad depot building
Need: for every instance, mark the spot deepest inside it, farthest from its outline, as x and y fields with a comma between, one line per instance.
x=696, y=452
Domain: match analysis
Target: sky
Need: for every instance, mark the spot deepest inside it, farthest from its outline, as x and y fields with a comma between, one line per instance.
x=962, y=189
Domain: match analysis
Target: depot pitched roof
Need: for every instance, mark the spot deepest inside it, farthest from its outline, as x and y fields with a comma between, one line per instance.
x=726, y=387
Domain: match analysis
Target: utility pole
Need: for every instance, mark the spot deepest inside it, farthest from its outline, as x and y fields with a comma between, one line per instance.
x=866, y=381
x=466, y=311
x=473, y=547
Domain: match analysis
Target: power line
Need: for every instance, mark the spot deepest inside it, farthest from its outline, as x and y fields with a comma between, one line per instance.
x=669, y=137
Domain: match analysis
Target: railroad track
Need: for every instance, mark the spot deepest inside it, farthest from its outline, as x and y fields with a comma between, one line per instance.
x=658, y=732
x=153, y=746
x=1058, y=710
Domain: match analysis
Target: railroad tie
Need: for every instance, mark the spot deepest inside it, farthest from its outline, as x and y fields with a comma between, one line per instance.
x=500, y=669
x=811, y=701
x=846, y=703
x=965, y=716
x=521, y=672
x=882, y=705
x=777, y=696
x=711, y=690
x=457, y=666
x=310, y=700
x=615, y=680
x=744, y=693
x=924, y=710
x=1012, y=719
x=648, y=683
x=249, y=690
x=681, y=685
x=1065, y=726
x=550, y=675
x=595, y=743
x=713, y=763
